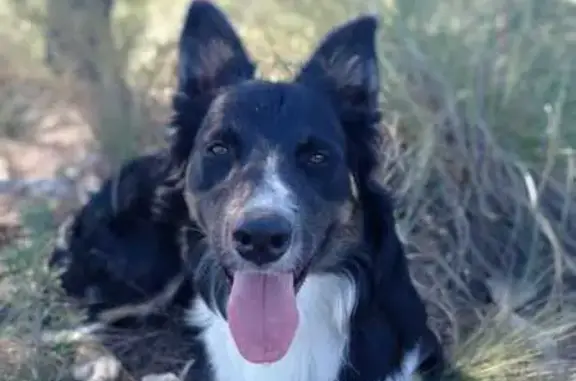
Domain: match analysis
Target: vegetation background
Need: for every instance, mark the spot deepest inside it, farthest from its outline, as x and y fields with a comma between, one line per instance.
x=479, y=98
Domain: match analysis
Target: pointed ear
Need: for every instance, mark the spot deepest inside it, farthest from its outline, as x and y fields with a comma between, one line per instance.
x=345, y=65
x=211, y=54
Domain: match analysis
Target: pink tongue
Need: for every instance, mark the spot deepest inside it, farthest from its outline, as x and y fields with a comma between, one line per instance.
x=262, y=315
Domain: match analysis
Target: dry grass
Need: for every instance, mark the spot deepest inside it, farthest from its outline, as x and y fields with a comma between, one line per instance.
x=480, y=103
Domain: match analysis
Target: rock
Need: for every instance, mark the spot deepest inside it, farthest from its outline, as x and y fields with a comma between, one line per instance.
x=104, y=368
x=161, y=377
x=95, y=363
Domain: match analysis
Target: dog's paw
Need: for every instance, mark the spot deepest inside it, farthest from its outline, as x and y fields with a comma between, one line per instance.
x=161, y=377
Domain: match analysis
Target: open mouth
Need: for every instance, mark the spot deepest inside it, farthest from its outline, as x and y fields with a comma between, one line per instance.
x=262, y=312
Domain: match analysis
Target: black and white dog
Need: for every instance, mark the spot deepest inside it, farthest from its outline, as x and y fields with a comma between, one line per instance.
x=266, y=200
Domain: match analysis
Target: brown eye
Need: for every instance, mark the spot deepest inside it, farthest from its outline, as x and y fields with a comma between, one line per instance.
x=317, y=158
x=218, y=149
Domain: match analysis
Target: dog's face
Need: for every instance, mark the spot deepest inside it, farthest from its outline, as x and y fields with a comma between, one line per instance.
x=269, y=167
x=267, y=178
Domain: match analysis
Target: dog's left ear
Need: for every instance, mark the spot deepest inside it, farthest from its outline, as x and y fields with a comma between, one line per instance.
x=345, y=66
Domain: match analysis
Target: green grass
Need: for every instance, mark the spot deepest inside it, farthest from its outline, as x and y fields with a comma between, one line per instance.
x=479, y=101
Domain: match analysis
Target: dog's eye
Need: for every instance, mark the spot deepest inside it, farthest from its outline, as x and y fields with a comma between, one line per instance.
x=317, y=158
x=218, y=149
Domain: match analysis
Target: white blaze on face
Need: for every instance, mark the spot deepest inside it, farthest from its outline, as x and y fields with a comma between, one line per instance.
x=272, y=194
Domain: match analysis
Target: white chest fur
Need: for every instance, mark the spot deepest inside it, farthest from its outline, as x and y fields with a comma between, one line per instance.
x=325, y=303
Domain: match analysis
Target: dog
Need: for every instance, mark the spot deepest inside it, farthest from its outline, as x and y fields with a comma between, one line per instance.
x=266, y=200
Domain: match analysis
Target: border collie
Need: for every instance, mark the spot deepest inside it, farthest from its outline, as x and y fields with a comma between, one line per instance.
x=266, y=200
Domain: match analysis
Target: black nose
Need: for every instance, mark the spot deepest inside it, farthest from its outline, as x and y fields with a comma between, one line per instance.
x=263, y=238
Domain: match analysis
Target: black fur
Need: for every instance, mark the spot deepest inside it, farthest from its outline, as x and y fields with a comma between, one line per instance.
x=115, y=251
x=128, y=250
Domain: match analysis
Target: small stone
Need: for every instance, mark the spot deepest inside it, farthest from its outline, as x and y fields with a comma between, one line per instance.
x=105, y=368
x=161, y=377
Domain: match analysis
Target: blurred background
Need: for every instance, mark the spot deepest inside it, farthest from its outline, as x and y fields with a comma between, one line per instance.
x=85, y=84
x=479, y=101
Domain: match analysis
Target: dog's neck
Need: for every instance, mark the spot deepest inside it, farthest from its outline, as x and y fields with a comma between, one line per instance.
x=325, y=304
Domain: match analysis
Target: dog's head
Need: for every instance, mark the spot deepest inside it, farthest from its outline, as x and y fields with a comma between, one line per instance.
x=269, y=170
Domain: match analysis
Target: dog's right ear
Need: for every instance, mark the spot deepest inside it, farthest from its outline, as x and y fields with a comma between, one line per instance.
x=211, y=54
x=211, y=57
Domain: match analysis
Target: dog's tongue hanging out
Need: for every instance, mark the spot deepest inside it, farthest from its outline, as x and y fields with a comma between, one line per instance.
x=262, y=315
